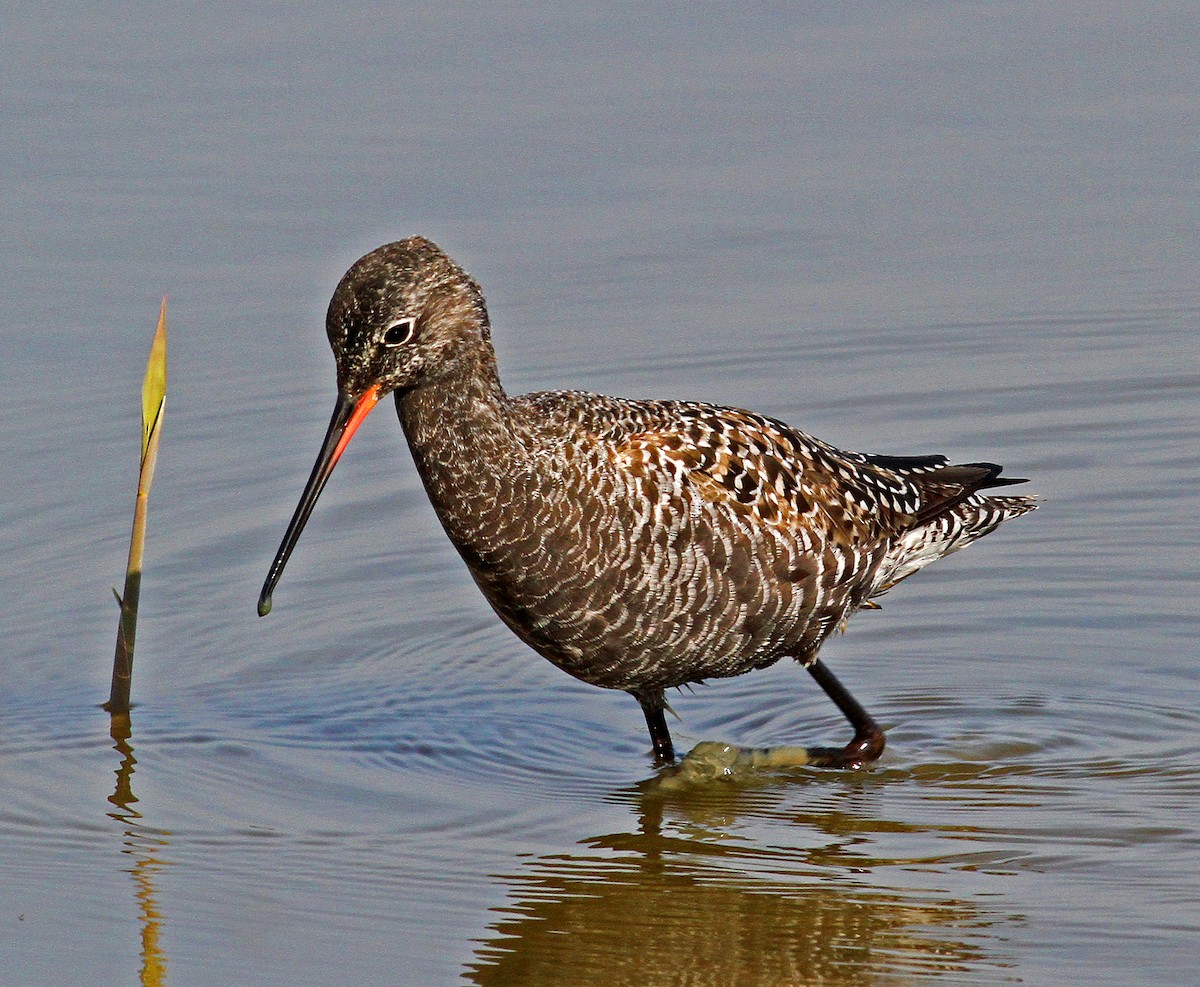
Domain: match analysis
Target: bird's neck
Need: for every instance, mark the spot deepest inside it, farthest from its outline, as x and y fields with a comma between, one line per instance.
x=465, y=447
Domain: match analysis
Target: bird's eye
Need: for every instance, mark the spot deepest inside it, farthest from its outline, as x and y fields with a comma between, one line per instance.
x=399, y=332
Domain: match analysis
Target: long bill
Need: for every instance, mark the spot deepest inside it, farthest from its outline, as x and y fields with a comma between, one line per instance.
x=348, y=414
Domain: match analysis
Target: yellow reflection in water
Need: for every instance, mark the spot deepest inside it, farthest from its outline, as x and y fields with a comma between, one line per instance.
x=143, y=845
x=687, y=899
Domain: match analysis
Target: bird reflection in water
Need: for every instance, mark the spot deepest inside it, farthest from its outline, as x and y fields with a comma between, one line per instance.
x=684, y=900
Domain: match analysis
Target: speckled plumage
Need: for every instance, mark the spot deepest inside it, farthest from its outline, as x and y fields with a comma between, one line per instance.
x=638, y=545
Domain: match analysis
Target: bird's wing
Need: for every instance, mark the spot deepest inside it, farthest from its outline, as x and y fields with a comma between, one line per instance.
x=770, y=473
x=766, y=472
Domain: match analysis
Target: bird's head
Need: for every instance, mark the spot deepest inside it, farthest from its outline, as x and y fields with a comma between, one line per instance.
x=404, y=316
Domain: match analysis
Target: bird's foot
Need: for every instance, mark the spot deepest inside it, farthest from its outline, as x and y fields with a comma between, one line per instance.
x=866, y=747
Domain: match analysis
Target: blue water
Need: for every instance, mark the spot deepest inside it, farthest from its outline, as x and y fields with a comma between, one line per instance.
x=907, y=229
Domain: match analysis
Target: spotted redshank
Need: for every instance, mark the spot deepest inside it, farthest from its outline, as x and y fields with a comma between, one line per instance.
x=637, y=545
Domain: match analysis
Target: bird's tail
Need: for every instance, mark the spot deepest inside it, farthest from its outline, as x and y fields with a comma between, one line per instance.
x=955, y=511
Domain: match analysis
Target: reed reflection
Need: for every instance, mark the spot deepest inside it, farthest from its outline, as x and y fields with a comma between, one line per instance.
x=687, y=897
x=143, y=846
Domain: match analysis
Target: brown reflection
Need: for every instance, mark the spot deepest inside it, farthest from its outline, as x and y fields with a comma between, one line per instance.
x=143, y=846
x=683, y=902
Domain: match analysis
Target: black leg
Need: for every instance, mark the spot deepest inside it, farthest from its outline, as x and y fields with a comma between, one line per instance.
x=868, y=740
x=660, y=736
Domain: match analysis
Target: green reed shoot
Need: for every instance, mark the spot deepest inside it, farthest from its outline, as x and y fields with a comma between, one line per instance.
x=154, y=399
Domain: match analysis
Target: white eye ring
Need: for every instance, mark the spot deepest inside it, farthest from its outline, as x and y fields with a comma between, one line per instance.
x=400, y=332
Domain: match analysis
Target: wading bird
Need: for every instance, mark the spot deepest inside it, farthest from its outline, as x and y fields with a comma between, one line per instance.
x=637, y=545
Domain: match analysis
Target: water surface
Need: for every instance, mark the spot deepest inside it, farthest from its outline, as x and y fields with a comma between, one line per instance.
x=907, y=229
